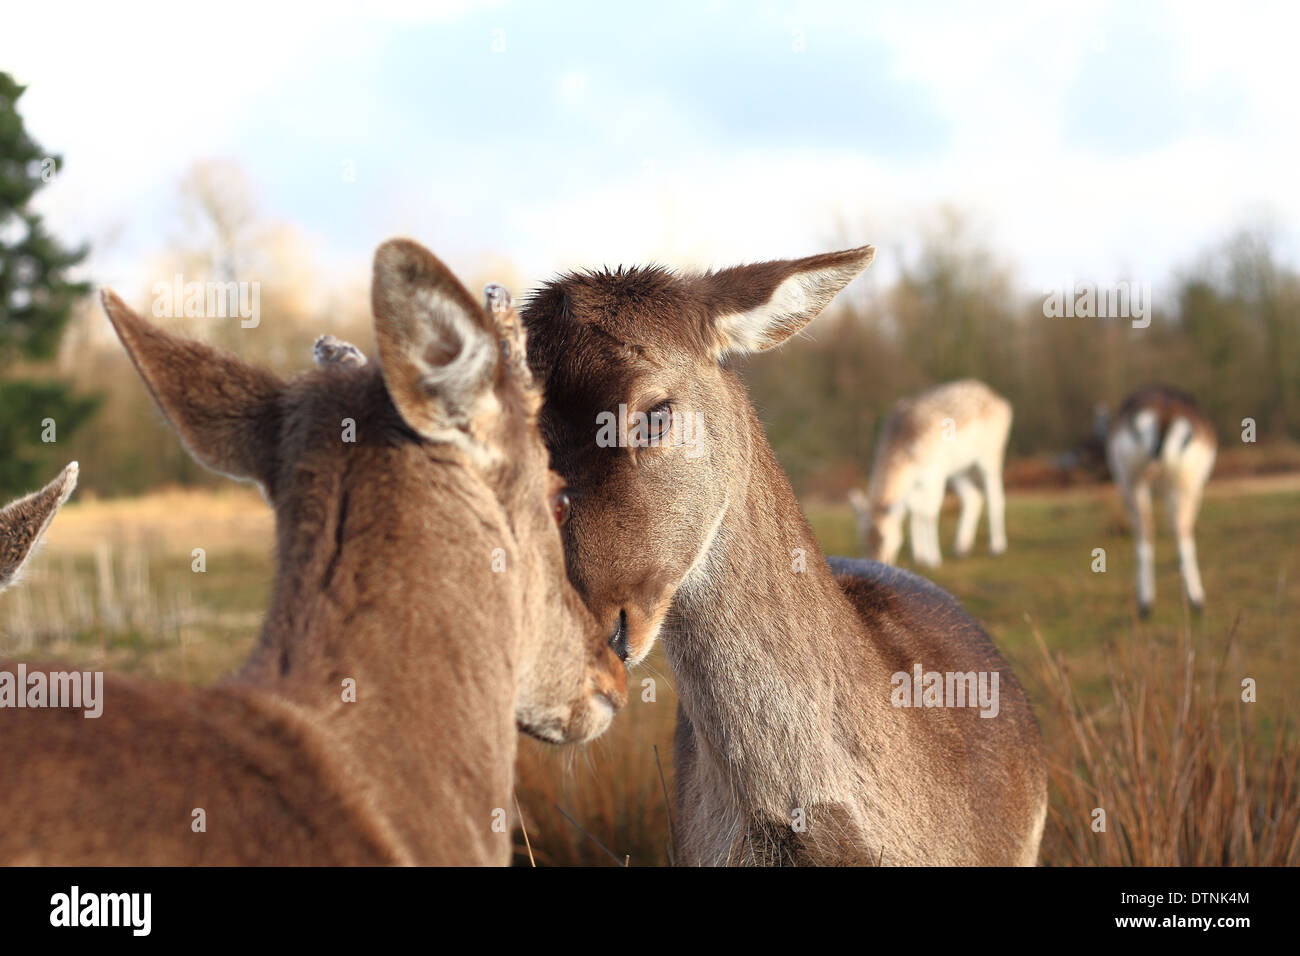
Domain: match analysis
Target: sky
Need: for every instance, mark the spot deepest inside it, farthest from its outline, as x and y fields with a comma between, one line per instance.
x=1079, y=140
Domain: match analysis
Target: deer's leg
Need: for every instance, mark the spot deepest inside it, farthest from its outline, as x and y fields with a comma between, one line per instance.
x=971, y=501
x=1137, y=499
x=919, y=536
x=1184, y=501
x=925, y=506
x=991, y=477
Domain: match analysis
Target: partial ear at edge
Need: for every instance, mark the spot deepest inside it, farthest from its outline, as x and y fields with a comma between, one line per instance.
x=23, y=522
x=755, y=307
x=225, y=411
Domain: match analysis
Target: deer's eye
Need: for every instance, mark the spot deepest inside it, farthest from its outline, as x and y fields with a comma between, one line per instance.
x=659, y=420
x=560, y=505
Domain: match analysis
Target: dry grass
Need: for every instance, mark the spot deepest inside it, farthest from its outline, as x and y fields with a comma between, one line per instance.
x=114, y=585
x=1173, y=761
x=170, y=522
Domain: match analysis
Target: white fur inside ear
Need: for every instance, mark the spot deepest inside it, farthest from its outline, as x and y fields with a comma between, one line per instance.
x=789, y=308
x=463, y=380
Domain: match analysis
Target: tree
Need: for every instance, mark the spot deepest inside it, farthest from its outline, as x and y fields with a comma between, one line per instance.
x=36, y=299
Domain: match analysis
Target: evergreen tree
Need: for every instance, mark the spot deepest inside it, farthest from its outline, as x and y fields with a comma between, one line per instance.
x=36, y=301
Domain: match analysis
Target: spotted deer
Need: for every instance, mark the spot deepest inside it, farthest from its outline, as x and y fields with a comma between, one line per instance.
x=420, y=614
x=790, y=746
x=952, y=436
x=23, y=522
x=1161, y=439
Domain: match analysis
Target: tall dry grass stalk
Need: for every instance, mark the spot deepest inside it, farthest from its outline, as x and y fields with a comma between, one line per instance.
x=1175, y=760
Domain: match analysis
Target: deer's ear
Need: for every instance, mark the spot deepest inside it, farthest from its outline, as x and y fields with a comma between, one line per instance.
x=437, y=346
x=754, y=307
x=22, y=522
x=226, y=411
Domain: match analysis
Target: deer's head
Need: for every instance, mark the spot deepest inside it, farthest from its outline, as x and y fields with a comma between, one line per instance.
x=23, y=522
x=437, y=448
x=651, y=429
x=880, y=526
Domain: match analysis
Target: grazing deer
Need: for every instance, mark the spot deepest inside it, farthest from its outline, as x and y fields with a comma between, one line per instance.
x=420, y=614
x=1160, y=438
x=23, y=522
x=950, y=436
x=790, y=747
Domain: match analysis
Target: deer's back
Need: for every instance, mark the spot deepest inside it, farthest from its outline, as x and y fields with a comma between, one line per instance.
x=947, y=427
x=269, y=791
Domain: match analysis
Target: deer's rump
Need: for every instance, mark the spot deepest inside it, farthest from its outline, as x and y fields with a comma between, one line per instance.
x=124, y=788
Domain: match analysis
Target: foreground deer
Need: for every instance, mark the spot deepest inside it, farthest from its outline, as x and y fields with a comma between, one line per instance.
x=23, y=522
x=950, y=436
x=419, y=565
x=790, y=748
x=1160, y=438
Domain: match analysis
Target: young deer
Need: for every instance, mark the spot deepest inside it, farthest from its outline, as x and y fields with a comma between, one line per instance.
x=790, y=748
x=419, y=615
x=950, y=436
x=23, y=522
x=1160, y=438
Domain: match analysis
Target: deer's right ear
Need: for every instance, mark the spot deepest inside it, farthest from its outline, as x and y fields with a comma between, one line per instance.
x=437, y=346
x=22, y=522
x=226, y=411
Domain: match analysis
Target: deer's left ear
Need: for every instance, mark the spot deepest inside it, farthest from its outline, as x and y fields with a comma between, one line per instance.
x=754, y=307
x=226, y=411
x=22, y=522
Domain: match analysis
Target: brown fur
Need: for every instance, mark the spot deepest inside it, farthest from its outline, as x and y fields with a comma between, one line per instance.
x=384, y=574
x=23, y=522
x=1168, y=403
x=782, y=672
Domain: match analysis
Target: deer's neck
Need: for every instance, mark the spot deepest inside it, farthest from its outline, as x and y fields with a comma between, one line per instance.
x=763, y=643
x=399, y=643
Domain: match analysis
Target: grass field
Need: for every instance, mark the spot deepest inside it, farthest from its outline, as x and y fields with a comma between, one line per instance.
x=1141, y=718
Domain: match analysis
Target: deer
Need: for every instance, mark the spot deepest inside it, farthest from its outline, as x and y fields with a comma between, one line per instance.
x=420, y=615
x=1160, y=439
x=952, y=436
x=793, y=745
x=23, y=522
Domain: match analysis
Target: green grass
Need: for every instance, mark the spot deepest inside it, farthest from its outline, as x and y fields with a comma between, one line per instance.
x=1249, y=551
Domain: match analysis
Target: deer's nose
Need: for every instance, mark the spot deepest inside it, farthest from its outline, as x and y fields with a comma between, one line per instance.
x=618, y=639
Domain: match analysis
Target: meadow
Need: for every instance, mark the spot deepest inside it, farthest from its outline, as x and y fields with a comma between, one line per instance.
x=1143, y=719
